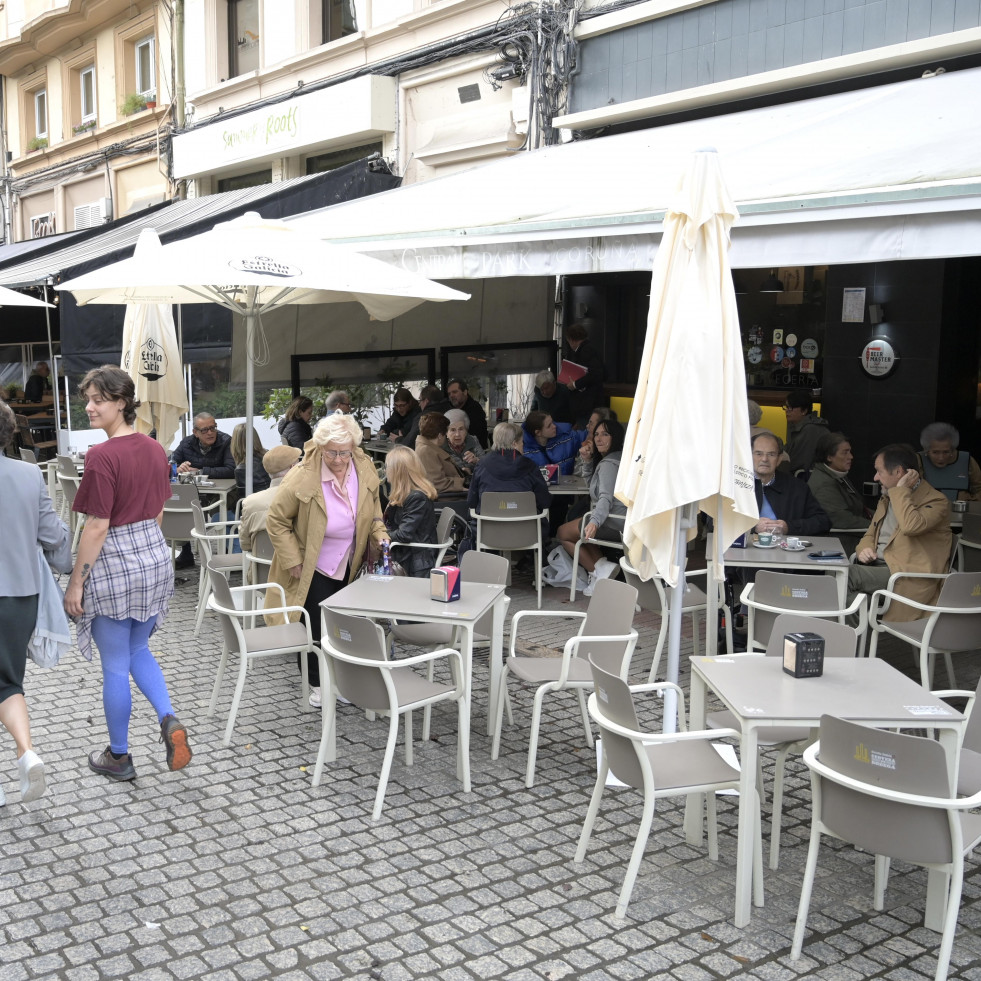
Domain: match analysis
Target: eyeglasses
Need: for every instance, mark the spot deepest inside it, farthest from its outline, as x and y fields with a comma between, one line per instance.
x=339, y=454
x=348, y=404
x=206, y=429
x=396, y=404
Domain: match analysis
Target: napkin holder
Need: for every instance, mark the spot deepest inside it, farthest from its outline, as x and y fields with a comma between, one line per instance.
x=444, y=583
x=803, y=655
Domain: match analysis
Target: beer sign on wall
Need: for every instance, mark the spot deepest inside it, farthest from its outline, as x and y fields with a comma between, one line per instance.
x=879, y=357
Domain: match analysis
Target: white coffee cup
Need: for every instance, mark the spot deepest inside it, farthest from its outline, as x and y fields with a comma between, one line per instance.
x=793, y=542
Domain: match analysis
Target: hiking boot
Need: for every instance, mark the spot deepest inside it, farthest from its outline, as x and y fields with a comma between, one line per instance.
x=31, y=770
x=114, y=767
x=174, y=736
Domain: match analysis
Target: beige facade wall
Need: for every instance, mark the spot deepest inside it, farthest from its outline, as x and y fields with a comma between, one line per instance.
x=52, y=47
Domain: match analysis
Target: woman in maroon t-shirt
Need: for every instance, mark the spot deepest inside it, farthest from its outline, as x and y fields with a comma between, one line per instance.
x=123, y=578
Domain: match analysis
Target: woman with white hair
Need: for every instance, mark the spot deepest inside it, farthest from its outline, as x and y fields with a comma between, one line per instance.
x=464, y=450
x=325, y=515
x=954, y=473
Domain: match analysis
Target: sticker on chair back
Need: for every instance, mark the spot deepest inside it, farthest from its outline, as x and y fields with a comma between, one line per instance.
x=874, y=757
x=793, y=592
x=342, y=634
x=601, y=694
x=507, y=505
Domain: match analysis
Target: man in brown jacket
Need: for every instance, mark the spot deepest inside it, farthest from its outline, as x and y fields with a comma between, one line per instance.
x=910, y=532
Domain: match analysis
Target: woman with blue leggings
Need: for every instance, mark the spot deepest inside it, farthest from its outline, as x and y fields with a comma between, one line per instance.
x=123, y=578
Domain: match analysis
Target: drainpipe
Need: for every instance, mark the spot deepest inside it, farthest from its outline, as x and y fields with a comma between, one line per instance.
x=4, y=171
x=179, y=90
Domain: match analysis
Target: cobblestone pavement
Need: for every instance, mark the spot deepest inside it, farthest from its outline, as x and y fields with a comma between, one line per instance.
x=237, y=868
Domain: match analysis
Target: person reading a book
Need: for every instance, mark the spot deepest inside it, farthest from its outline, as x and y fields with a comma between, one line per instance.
x=584, y=376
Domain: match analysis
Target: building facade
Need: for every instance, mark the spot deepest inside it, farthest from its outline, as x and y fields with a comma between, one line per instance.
x=86, y=92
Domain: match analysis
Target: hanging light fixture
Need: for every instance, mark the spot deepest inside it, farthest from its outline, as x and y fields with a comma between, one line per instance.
x=771, y=284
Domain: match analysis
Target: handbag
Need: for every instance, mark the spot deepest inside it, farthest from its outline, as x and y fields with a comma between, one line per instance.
x=52, y=636
x=558, y=570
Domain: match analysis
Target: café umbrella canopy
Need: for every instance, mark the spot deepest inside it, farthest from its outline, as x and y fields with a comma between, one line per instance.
x=253, y=265
x=687, y=444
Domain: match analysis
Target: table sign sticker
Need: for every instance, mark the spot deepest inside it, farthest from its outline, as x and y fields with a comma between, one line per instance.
x=807, y=366
x=374, y=578
x=344, y=635
x=752, y=710
x=927, y=709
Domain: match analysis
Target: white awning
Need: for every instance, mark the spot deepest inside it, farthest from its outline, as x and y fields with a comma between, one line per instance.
x=884, y=173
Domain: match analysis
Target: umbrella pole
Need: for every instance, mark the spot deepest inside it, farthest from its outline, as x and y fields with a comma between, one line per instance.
x=249, y=384
x=684, y=519
x=56, y=406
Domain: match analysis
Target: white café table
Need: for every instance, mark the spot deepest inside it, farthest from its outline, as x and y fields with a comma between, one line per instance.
x=407, y=598
x=569, y=485
x=378, y=447
x=753, y=557
x=757, y=690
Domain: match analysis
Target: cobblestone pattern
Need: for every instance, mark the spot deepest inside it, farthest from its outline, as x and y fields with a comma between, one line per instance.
x=237, y=868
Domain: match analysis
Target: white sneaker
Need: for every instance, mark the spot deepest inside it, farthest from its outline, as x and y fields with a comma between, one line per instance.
x=590, y=585
x=315, y=701
x=605, y=569
x=31, y=776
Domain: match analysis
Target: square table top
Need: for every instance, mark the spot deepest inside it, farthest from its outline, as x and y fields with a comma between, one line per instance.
x=409, y=597
x=569, y=484
x=859, y=689
x=776, y=557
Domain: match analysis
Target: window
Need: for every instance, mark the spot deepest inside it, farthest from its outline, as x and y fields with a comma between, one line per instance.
x=243, y=37
x=338, y=18
x=146, y=76
x=337, y=158
x=242, y=181
x=86, y=89
x=41, y=113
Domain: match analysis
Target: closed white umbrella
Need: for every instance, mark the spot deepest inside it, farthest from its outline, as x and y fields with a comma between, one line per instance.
x=251, y=265
x=687, y=443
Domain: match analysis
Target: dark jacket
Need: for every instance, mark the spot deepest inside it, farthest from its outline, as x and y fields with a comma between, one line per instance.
x=802, y=440
x=413, y=521
x=295, y=432
x=793, y=502
x=478, y=421
x=260, y=479
x=505, y=472
x=562, y=448
x=397, y=423
x=36, y=388
x=409, y=439
x=838, y=498
x=558, y=406
x=589, y=388
x=213, y=461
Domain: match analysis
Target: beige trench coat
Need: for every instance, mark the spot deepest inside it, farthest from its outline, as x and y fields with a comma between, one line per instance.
x=921, y=543
x=297, y=523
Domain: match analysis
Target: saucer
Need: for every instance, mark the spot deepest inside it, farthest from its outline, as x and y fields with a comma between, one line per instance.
x=794, y=548
x=771, y=545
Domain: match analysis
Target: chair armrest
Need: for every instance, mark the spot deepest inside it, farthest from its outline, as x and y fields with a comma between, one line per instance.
x=444, y=653
x=521, y=614
x=208, y=536
x=436, y=546
x=906, y=601
x=255, y=587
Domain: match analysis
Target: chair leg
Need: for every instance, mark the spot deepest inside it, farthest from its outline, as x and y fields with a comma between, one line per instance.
x=950, y=917
x=659, y=648
x=408, y=737
x=593, y=809
x=694, y=632
x=236, y=698
x=222, y=664
x=204, y=592
x=393, y=735
x=328, y=748
x=499, y=718
x=881, y=881
x=758, y=855
x=643, y=833
x=776, y=809
x=536, y=724
x=585, y=718
x=463, y=743
x=805, y=893
x=575, y=572
x=712, y=822
x=949, y=664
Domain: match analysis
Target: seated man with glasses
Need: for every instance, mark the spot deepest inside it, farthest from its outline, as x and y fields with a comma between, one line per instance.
x=205, y=451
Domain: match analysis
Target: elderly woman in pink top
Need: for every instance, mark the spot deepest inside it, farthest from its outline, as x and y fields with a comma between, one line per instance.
x=323, y=517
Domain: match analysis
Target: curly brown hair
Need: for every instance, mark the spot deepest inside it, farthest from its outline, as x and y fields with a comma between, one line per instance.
x=113, y=383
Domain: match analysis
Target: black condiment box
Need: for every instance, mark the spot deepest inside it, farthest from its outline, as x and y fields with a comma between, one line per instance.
x=803, y=655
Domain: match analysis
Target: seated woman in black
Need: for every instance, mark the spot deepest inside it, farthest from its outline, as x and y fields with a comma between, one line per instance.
x=400, y=421
x=410, y=515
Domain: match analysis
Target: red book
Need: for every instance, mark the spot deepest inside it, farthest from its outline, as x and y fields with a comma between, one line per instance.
x=570, y=372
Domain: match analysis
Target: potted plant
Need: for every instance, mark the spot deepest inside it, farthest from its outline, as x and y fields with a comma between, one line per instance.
x=36, y=143
x=12, y=389
x=151, y=100
x=83, y=127
x=134, y=103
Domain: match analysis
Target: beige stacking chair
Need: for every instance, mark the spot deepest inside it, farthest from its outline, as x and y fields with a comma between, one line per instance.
x=903, y=810
x=214, y=540
x=511, y=523
x=444, y=535
x=662, y=765
x=249, y=643
x=359, y=671
x=951, y=625
x=605, y=633
x=655, y=596
x=969, y=545
x=602, y=542
x=256, y=562
x=839, y=641
x=774, y=593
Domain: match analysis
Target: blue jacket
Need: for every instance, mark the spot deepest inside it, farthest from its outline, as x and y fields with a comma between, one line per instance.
x=562, y=448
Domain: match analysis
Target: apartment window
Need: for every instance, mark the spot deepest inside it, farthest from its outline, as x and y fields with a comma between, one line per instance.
x=243, y=37
x=41, y=113
x=146, y=76
x=86, y=91
x=339, y=19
